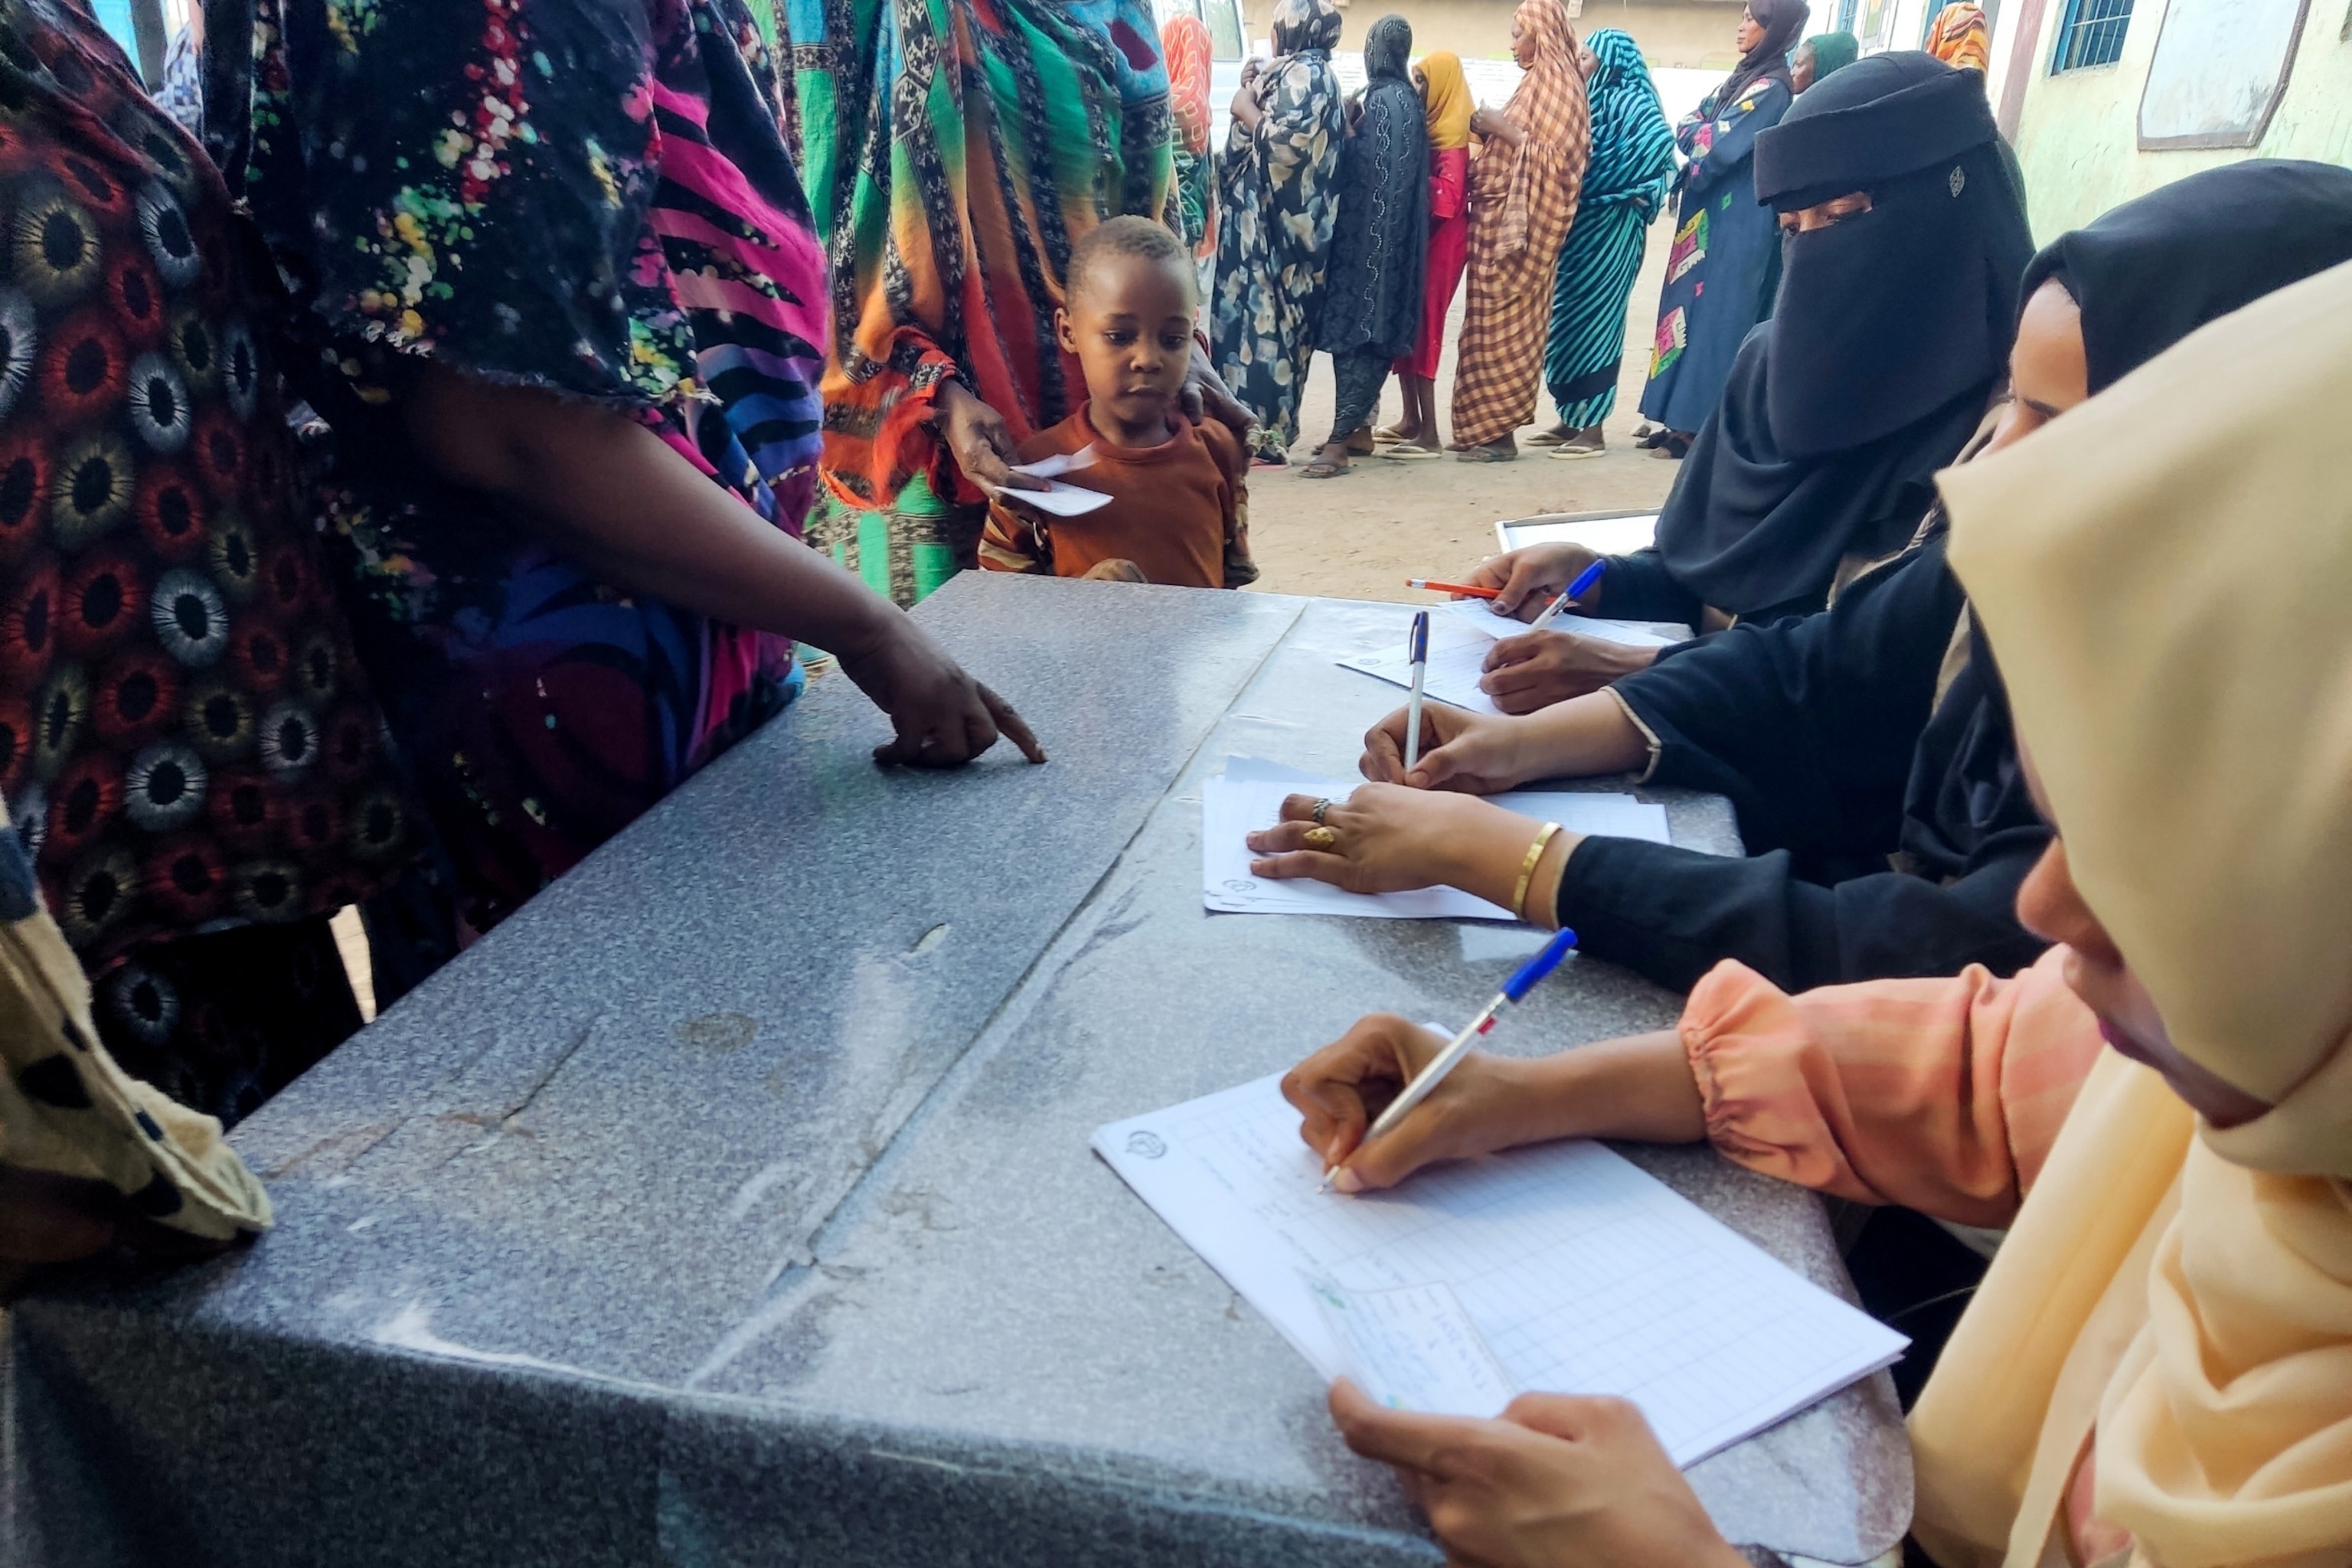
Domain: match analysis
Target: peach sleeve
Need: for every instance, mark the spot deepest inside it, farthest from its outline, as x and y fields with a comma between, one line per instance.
x=1941, y=1095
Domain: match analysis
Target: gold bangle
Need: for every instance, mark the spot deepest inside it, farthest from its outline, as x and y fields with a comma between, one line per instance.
x=1528, y=867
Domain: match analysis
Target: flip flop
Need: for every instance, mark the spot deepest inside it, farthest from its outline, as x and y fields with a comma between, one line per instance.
x=1549, y=438
x=1568, y=452
x=1371, y=444
x=1319, y=470
x=1263, y=461
x=1485, y=455
x=1387, y=436
x=1404, y=453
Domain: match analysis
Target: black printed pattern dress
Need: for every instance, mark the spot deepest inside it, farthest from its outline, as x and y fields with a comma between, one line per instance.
x=187, y=747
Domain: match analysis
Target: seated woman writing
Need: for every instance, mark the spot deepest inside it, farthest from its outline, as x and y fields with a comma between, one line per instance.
x=1875, y=733
x=2157, y=1368
x=1902, y=244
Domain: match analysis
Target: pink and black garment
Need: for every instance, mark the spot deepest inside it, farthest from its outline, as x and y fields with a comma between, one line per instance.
x=188, y=746
x=592, y=196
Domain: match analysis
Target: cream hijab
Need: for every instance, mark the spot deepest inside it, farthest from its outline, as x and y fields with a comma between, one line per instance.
x=2166, y=575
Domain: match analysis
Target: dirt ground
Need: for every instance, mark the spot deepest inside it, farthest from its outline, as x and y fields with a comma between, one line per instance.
x=1360, y=536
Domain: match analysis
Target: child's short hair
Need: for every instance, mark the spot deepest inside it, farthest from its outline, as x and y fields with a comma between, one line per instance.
x=1137, y=237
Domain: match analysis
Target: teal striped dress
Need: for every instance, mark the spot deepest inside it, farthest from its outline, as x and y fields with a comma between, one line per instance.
x=1631, y=168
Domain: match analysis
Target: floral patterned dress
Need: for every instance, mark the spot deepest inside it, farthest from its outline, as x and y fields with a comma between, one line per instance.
x=188, y=747
x=1278, y=187
x=592, y=196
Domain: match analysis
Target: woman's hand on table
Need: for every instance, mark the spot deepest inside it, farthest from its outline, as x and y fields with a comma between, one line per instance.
x=1483, y=1104
x=1467, y=752
x=978, y=440
x=1385, y=839
x=1530, y=578
x=942, y=716
x=1560, y=1481
x=1536, y=670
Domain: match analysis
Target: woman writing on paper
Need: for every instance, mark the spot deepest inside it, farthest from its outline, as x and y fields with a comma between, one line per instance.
x=2157, y=1368
x=1867, y=750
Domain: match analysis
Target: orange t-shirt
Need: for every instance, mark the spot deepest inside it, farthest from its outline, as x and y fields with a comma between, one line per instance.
x=1178, y=509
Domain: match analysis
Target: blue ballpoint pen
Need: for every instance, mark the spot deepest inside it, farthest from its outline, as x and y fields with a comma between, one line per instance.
x=1419, y=653
x=1576, y=590
x=1514, y=989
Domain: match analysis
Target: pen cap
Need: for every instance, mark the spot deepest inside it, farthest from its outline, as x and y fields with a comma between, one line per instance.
x=1532, y=971
x=1419, y=646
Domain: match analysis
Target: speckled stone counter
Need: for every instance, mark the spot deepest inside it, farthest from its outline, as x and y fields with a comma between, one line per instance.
x=733, y=1203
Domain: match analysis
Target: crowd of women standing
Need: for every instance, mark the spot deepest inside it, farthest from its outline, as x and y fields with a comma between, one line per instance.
x=579, y=357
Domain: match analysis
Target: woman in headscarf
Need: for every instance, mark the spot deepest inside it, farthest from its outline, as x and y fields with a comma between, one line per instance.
x=560, y=303
x=1445, y=94
x=1625, y=181
x=1960, y=37
x=2157, y=1366
x=189, y=750
x=1878, y=731
x=954, y=152
x=1881, y=362
x=1824, y=54
x=1523, y=194
x=1371, y=292
x=1719, y=273
x=1185, y=42
x=1276, y=179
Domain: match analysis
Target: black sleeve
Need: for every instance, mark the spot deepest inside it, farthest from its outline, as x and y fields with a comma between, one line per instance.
x=1672, y=914
x=1809, y=725
x=1638, y=588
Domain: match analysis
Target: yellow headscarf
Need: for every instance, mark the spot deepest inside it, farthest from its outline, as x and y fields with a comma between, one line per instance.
x=1448, y=99
x=2165, y=576
x=1960, y=37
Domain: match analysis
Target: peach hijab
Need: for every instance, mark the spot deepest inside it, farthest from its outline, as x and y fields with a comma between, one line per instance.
x=2164, y=574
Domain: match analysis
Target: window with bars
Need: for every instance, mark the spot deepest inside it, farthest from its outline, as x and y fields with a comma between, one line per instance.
x=2092, y=34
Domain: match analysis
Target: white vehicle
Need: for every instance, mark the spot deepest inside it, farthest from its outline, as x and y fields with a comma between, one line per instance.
x=1228, y=47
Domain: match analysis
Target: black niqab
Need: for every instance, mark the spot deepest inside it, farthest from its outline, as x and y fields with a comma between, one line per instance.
x=1891, y=330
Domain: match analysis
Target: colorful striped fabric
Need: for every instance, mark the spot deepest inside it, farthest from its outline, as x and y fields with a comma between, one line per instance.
x=594, y=196
x=1625, y=181
x=950, y=227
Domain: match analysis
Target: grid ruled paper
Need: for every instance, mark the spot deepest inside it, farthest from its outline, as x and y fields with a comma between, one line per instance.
x=1584, y=1274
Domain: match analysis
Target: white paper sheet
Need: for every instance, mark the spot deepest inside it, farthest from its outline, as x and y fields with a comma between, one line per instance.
x=1414, y=1349
x=1459, y=638
x=1056, y=497
x=1583, y=1273
x=1249, y=795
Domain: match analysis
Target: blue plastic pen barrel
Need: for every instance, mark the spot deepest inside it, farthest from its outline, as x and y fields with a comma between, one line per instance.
x=1586, y=578
x=1532, y=971
x=1419, y=650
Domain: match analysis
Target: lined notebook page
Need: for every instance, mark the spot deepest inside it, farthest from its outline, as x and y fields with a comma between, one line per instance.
x=1584, y=1274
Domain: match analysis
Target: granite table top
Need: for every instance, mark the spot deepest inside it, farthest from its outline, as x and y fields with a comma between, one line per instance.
x=732, y=1202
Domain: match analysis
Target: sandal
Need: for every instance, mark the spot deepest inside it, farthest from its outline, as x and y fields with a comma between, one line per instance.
x=1388, y=436
x=1411, y=452
x=1551, y=437
x=1674, y=447
x=1274, y=460
x=1485, y=455
x=1319, y=470
x=1360, y=443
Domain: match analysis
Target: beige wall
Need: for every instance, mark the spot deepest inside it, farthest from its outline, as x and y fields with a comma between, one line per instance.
x=1671, y=31
x=2078, y=136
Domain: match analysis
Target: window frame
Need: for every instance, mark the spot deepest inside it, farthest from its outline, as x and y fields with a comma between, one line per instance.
x=2070, y=23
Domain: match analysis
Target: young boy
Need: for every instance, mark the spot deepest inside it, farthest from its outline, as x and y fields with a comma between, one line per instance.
x=1180, y=506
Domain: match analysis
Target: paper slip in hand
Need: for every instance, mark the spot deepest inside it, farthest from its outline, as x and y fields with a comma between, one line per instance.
x=1249, y=795
x=1415, y=1349
x=1058, y=499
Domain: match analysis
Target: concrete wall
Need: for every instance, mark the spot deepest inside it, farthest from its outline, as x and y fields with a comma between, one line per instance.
x=1671, y=31
x=2078, y=134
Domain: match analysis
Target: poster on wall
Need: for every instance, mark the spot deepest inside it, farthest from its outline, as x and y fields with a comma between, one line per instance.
x=2220, y=68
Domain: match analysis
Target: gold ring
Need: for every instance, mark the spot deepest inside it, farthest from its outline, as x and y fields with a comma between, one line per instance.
x=1320, y=807
x=1322, y=838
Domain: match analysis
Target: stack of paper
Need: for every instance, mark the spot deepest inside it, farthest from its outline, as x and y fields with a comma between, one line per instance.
x=1249, y=795
x=1558, y=1268
x=1461, y=633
